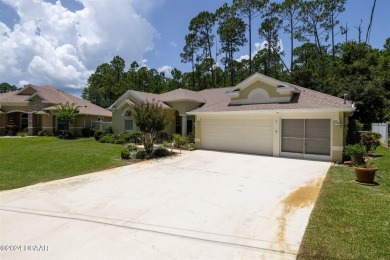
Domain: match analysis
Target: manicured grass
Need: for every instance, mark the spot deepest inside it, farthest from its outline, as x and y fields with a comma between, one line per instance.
x=26, y=161
x=351, y=221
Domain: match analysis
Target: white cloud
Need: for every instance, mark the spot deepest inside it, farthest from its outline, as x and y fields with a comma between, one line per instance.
x=52, y=45
x=258, y=47
x=142, y=63
x=166, y=69
x=243, y=57
x=174, y=44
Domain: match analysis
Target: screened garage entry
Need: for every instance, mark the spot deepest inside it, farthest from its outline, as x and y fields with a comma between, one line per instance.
x=307, y=138
x=238, y=135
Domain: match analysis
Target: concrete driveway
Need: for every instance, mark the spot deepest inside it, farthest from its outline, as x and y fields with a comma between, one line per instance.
x=199, y=204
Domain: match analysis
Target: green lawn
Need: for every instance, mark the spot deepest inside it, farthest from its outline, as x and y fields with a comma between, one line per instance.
x=351, y=221
x=26, y=161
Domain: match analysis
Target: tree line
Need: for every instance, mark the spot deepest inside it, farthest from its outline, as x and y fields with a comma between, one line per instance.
x=317, y=59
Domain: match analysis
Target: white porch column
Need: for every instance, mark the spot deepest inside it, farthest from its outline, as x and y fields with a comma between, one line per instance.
x=183, y=125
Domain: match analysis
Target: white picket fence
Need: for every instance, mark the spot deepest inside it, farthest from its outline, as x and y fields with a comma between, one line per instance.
x=383, y=129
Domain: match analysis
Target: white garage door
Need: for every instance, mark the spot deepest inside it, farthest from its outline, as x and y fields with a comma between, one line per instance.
x=238, y=135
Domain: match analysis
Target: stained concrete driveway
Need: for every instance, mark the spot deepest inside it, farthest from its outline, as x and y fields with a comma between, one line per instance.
x=201, y=204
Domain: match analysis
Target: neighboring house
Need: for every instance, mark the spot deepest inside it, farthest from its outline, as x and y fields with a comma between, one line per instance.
x=261, y=115
x=31, y=109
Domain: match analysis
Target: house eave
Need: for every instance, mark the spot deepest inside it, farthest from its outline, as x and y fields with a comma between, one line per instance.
x=19, y=103
x=276, y=111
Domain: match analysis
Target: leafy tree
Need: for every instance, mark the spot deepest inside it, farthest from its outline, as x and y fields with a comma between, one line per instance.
x=202, y=27
x=250, y=9
x=151, y=119
x=67, y=111
x=289, y=13
x=334, y=9
x=231, y=32
x=314, y=25
x=5, y=87
x=269, y=32
x=189, y=53
x=107, y=83
x=175, y=81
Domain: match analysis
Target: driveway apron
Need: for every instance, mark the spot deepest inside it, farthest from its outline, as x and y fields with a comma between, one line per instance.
x=200, y=204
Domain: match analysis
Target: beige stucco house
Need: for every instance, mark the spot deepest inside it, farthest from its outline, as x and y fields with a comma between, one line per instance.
x=261, y=115
x=31, y=110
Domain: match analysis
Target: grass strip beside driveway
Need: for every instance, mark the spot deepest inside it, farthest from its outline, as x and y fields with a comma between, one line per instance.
x=27, y=161
x=350, y=221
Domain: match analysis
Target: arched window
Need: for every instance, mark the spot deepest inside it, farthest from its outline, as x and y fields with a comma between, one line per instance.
x=127, y=112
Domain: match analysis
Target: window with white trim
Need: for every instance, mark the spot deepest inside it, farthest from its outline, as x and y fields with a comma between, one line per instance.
x=128, y=125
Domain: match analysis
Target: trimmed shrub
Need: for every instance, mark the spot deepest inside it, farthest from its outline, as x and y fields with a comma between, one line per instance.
x=98, y=134
x=188, y=147
x=166, y=144
x=370, y=140
x=141, y=154
x=135, y=137
x=191, y=137
x=179, y=141
x=107, y=139
x=125, y=154
x=355, y=150
x=88, y=131
x=132, y=147
x=21, y=134
x=43, y=133
x=120, y=140
x=160, y=152
x=66, y=135
x=108, y=130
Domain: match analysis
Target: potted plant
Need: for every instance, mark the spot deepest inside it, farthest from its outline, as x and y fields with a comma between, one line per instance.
x=365, y=173
x=357, y=153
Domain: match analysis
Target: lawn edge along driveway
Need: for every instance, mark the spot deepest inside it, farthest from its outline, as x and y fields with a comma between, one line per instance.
x=350, y=221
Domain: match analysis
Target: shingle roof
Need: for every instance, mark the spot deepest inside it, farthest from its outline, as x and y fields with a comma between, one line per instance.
x=11, y=97
x=218, y=101
x=182, y=95
x=145, y=96
x=56, y=96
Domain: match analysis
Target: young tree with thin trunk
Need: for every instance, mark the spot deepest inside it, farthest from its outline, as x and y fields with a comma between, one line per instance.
x=151, y=119
x=66, y=112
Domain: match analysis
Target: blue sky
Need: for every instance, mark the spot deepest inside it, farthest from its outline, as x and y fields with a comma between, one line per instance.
x=62, y=42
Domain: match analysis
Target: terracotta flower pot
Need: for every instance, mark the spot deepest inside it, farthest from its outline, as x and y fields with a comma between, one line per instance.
x=365, y=175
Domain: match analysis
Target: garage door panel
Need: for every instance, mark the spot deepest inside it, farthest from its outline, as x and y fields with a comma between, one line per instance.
x=307, y=136
x=292, y=145
x=238, y=135
x=321, y=147
x=317, y=128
